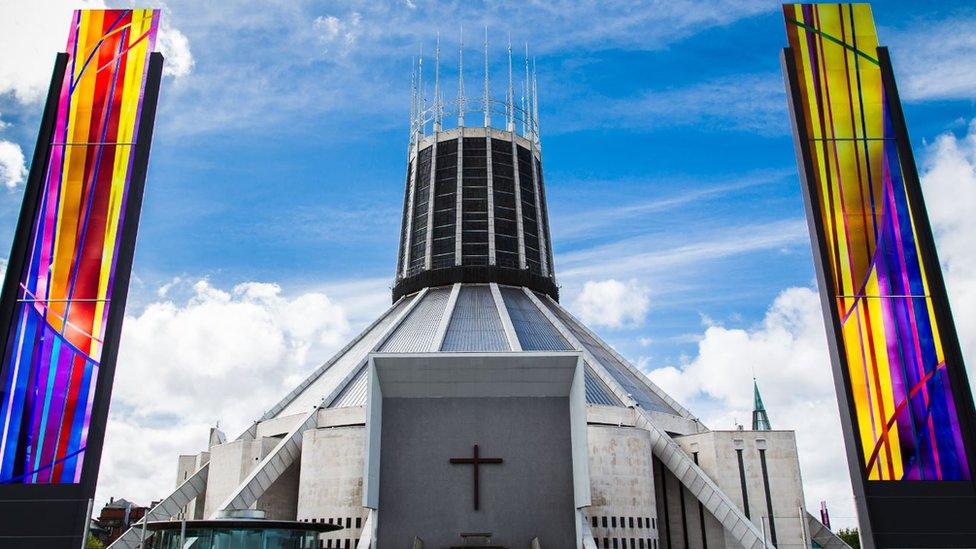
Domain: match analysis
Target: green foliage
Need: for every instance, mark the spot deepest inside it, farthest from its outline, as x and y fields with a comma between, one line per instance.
x=850, y=537
x=94, y=543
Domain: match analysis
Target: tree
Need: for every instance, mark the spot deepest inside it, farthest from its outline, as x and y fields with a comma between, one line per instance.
x=850, y=537
x=94, y=543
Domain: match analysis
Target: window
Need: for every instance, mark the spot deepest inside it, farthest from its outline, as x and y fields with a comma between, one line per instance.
x=641, y=544
x=606, y=543
x=359, y=522
x=604, y=522
x=348, y=522
x=615, y=546
x=633, y=543
x=594, y=522
x=631, y=522
x=348, y=544
x=640, y=522
x=613, y=521
x=654, y=523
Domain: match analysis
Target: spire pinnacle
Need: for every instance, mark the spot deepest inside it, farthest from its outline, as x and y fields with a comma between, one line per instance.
x=527, y=106
x=422, y=93
x=535, y=102
x=437, y=85
x=487, y=98
x=510, y=98
x=413, y=98
x=760, y=421
x=461, y=105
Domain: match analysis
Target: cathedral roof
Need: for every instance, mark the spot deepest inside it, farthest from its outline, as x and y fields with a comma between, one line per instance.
x=468, y=318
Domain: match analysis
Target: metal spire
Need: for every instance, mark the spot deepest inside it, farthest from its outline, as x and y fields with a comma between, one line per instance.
x=510, y=100
x=528, y=92
x=422, y=99
x=487, y=98
x=461, y=78
x=760, y=421
x=535, y=100
x=413, y=98
x=437, y=85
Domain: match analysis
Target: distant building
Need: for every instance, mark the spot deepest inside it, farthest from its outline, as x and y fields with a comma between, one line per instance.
x=117, y=516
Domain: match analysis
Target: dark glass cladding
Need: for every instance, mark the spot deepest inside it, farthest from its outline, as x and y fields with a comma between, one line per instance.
x=421, y=197
x=432, y=213
x=530, y=223
x=474, y=195
x=506, y=225
x=445, y=205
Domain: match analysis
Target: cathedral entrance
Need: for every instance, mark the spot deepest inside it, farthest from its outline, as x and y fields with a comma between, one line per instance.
x=475, y=451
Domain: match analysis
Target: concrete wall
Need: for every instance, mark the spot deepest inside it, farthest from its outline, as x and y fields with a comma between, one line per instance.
x=231, y=462
x=331, y=488
x=682, y=522
x=621, y=486
x=186, y=466
x=718, y=458
x=530, y=494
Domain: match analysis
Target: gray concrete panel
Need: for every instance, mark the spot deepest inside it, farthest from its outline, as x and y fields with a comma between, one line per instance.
x=530, y=494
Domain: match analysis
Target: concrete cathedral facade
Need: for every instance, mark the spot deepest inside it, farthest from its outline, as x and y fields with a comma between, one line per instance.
x=478, y=411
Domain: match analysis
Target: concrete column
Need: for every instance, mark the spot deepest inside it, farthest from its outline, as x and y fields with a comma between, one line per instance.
x=459, y=209
x=491, y=200
x=518, y=204
x=429, y=253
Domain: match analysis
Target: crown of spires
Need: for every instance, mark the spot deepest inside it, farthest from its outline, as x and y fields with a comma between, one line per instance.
x=760, y=420
x=425, y=118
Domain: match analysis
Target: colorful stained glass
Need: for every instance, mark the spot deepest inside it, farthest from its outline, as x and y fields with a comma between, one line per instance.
x=56, y=337
x=890, y=338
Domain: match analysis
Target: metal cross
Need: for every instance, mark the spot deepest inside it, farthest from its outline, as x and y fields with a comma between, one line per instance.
x=476, y=461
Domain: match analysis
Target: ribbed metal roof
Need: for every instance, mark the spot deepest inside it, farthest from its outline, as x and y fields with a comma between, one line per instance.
x=475, y=325
x=354, y=394
x=321, y=383
x=534, y=331
x=633, y=386
x=473, y=322
x=416, y=333
x=596, y=391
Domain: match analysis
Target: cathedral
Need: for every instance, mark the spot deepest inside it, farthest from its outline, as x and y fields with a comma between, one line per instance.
x=478, y=411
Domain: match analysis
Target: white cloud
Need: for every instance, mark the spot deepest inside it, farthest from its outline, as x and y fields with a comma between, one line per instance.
x=787, y=352
x=12, y=167
x=31, y=33
x=612, y=303
x=939, y=58
x=339, y=32
x=949, y=184
x=175, y=48
x=216, y=355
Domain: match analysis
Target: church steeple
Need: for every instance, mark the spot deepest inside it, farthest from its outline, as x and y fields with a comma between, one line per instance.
x=474, y=206
x=760, y=421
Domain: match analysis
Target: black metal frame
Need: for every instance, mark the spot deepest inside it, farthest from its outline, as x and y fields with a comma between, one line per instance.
x=475, y=274
x=54, y=515
x=891, y=513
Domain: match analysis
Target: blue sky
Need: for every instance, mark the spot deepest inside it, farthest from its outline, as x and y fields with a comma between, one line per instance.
x=279, y=159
